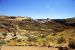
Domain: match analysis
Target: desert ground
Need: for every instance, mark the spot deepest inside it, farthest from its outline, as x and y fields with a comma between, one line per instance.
x=26, y=48
x=20, y=33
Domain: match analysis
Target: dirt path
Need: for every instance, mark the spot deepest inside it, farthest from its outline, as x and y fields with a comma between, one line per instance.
x=26, y=48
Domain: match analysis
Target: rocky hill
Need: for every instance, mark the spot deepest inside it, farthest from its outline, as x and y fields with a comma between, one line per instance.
x=25, y=31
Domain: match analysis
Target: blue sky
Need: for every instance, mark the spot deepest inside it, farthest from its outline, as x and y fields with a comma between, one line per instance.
x=38, y=8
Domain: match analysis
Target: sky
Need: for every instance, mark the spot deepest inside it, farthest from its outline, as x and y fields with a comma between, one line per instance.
x=38, y=8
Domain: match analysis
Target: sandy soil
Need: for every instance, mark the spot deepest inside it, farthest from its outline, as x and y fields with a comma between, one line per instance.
x=26, y=48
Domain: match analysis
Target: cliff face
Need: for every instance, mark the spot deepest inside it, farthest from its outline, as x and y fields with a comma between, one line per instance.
x=44, y=32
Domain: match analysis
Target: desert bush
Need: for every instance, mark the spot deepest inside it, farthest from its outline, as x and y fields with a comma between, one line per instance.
x=72, y=44
x=43, y=36
x=14, y=38
x=60, y=40
x=27, y=19
x=4, y=34
x=58, y=28
x=62, y=48
x=2, y=42
x=8, y=41
x=31, y=39
x=19, y=40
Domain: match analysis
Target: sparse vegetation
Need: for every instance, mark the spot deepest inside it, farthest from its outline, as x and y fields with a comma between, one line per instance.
x=30, y=32
x=63, y=48
x=72, y=44
x=2, y=42
x=4, y=34
x=60, y=40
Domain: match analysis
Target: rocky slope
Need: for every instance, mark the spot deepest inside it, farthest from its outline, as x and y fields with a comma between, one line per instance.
x=21, y=31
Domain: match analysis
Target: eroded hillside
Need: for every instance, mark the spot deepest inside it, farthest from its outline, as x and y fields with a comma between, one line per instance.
x=21, y=31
